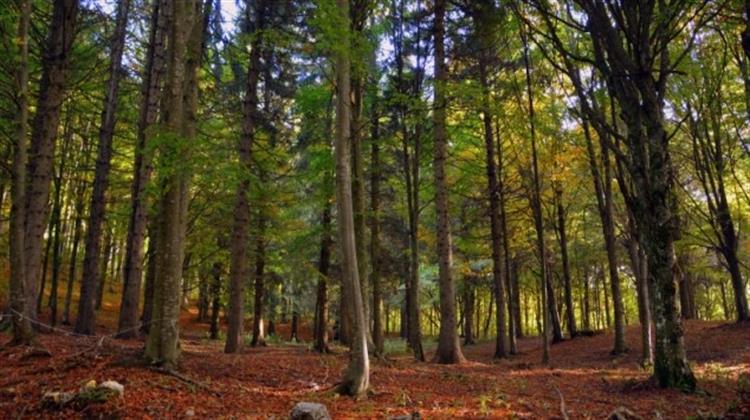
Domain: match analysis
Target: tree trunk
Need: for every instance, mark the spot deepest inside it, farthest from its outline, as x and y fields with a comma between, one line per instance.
x=604, y=200
x=127, y=326
x=238, y=268
x=87, y=305
x=536, y=207
x=215, y=299
x=357, y=376
x=561, y=216
x=324, y=264
x=179, y=119
x=77, y=231
x=375, y=252
x=23, y=333
x=449, y=349
x=260, y=263
x=55, y=61
x=469, y=305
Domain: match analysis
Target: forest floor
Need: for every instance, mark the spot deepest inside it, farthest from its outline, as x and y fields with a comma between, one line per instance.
x=266, y=382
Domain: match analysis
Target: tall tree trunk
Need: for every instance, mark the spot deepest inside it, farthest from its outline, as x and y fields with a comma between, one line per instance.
x=22, y=331
x=605, y=205
x=375, y=252
x=179, y=119
x=640, y=271
x=536, y=207
x=562, y=234
x=86, y=320
x=215, y=299
x=57, y=226
x=357, y=376
x=55, y=62
x=127, y=326
x=468, y=312
x=324, y=265
x=493, y=193
x=449, y=349
x=260, y=295
x=77, y=232
x=238, y=267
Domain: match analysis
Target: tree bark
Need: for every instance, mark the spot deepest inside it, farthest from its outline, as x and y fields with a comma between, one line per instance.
x=562, y=235
x=52, y=87
x=375, y=251
x=449, y=349
x=127, y=326
x=179, y=120
x=260, y=263
x=23, y=333
x=357, y=376
x=324, y=264
x=215, y=299
x=536, y=208
x=86, y=320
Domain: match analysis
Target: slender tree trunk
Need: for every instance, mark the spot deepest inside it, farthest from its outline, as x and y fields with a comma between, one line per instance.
x=496, y=222
x=238, y=268
x=23, y=333
x=449, y=349
x=127, y=326
x=468, y=312
x=605, y=205
x=87, y=305
x=260, y=263
x=536, y=207
x=77, y=232
x=55, y=61
x=324, y=264
x=375, y=257
x=561, y=229
x=357, y=376
x=215, y=299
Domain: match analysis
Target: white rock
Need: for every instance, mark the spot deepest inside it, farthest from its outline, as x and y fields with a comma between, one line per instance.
x=115, y=386
x=309, y=411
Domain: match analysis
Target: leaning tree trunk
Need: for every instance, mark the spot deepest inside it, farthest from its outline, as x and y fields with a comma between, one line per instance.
x=55, y=61
x=449, y=349
x=127, y=326
x=22, y=331
x=179, y=120
x=86, y=320
x=357, y=376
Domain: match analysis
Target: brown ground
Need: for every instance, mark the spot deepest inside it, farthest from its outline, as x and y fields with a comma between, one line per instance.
x=266, y=382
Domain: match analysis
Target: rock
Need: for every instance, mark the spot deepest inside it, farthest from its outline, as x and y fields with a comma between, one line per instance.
x=622, y=413
x=57, y=399
x=309, y=411
x=114, y=386
x=190, y=413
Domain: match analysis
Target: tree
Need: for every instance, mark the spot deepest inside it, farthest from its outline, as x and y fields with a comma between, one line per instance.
x=22, y=331
x=449, y=349
x=178, y=110
x=86, y=321
x=238, y=268
x=142, y=168
x=357, y=376
x=52, y=86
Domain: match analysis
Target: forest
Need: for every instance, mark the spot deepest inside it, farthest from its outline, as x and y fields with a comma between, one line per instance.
x=399, y=209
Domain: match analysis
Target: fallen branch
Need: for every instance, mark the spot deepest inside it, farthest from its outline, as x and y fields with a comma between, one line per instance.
x=187, y=380
x=563, y=412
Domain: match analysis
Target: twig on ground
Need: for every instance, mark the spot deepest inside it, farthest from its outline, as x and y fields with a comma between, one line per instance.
x=563, y=412
x=187, y=380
